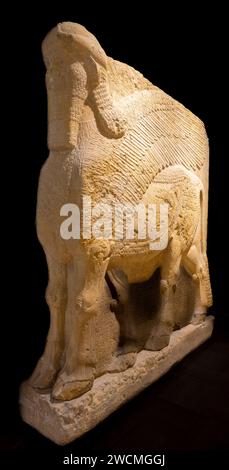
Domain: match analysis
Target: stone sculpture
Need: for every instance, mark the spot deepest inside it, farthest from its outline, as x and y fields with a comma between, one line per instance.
x=115, y=137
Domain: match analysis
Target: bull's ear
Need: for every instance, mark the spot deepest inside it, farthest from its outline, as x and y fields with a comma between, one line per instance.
x=108, y=116
x=93, y=71
x=77, y=36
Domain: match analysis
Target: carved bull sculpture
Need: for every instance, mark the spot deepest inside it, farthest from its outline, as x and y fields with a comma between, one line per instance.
x=113, y=136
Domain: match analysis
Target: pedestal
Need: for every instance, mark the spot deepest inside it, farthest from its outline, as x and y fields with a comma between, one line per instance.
x=63, y=422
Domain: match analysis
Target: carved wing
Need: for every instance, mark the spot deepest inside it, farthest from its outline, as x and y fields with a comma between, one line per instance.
x=165, y=133
x=161, y=132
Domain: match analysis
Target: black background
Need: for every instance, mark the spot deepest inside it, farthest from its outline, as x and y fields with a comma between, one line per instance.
x=182, y=51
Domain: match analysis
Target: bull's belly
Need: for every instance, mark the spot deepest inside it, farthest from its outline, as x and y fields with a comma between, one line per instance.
x=137, y=261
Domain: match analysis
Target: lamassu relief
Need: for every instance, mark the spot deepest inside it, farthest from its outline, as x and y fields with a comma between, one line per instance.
x=123, y=309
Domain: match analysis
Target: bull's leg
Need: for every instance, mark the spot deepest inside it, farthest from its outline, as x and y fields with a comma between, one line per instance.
x=195, y=263
x=170, y=270
x=85, y=284
x=56, y=295
x=127, y=327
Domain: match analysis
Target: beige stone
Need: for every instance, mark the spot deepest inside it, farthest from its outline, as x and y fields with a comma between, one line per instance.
x=117, y=139
x=63, y=422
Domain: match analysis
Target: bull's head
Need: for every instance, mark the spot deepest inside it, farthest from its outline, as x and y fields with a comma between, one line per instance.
x=76, y=71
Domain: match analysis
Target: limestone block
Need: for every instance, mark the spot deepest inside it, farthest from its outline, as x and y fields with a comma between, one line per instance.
x=127, y=294
x=62, y=422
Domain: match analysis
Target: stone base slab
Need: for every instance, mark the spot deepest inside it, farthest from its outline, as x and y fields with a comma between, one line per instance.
x=62, y=422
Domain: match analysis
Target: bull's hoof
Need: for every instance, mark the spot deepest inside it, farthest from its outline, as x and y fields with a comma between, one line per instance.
x=43, y=375
x=156, y=343
x=198, y=318
x=122, y=362
x=68, y=388
x=130, y=346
